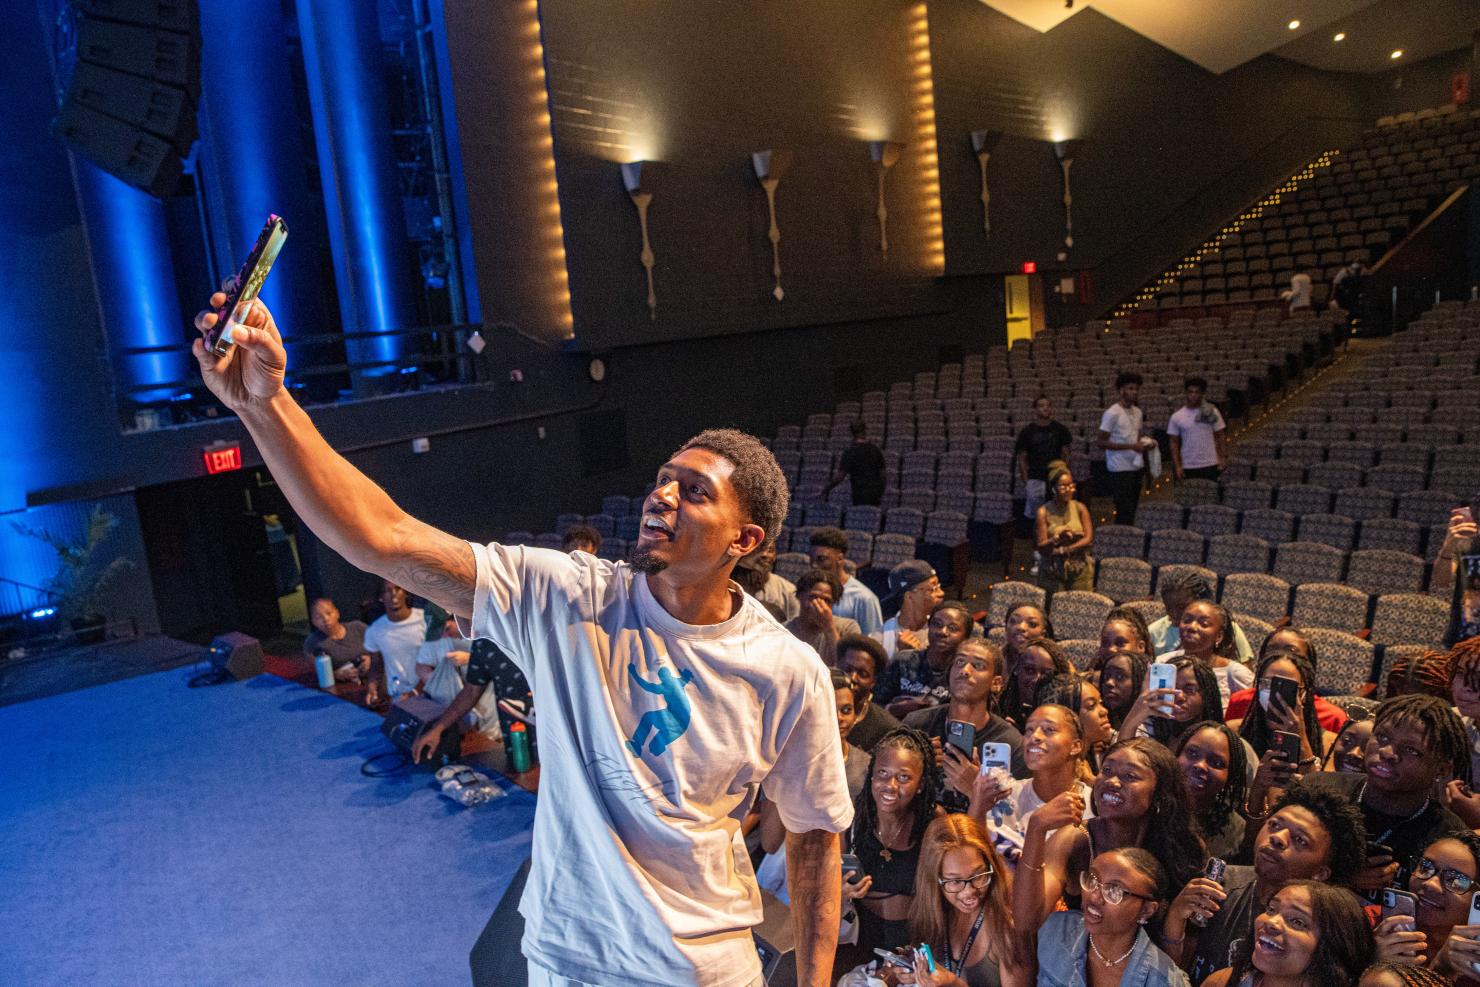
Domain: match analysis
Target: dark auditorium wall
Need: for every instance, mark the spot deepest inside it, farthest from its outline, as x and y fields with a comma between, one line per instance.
x=1420, y=85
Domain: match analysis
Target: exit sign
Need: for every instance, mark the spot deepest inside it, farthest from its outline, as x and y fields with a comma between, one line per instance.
x=1030, y=267
x=222, y=457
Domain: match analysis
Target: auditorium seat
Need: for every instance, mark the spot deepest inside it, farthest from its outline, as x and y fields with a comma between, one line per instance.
x=1378, y=571
x=1209, y=520
x=1119, y=540
x=1010, y=593
x=1409, y=618
x=1078, y=614
x=1123, y=578
x=1269, y=524
x=1329, y=605
x=1176, y=546
x=1346, y=660
x=1328, y=529
x=1264, y=596
x=1163, y=573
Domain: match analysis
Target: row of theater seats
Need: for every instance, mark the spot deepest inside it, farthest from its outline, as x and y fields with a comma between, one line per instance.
x=1349, y=205
x=1356, y=639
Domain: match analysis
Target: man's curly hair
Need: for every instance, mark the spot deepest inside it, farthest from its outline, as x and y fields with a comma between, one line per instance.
x=759, y=484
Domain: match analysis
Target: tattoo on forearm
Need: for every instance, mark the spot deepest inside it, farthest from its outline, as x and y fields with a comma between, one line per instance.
x=438, y=567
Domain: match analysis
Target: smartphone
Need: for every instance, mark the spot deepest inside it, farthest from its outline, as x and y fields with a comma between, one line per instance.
x=1286, y=689
x=924, y=950
x=1162, y=675
x=1395, y=902
x=1214, y=870
x=961, y=735
x=996, y=757
x=1474, y=909
x=247, y=284
x=1287, y=745
x=852, y=867
x=903, y=962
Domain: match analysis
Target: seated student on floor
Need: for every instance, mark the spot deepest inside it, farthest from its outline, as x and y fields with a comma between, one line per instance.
x=862, y=659
x=441, y=666
x=1139, y=800
x=915, y=680
x=1288, y=639
x=342, y=641
x=1105, y=940
x=1309, y=934
x=888, y=826
x=975, y=679
x=1416, y=742
x=1053, y=752
x=963, y=911
x=1444, y=881
x=392, y=642
x=1309, y=834
x=581, y=538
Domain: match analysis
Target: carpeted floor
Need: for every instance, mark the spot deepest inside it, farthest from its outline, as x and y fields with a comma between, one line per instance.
x=160, y=835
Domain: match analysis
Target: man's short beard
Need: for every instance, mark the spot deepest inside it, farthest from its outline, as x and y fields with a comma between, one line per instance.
x=648, y=562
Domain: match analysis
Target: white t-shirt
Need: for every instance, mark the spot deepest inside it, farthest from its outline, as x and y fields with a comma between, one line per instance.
x=891, y=636
x=1013, y=812
x=1123, y=425
x=654, y=736
x=398, y=642
x=1199, y=448
x=1233, y=677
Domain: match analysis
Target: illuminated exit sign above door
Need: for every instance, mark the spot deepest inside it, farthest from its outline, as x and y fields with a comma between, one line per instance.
x=222, y=457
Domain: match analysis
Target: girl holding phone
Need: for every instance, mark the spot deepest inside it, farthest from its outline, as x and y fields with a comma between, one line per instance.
x=1053, y=747
x=1444, y=881
x=1194, y=698
x=1122, y=679
x=1269, y=715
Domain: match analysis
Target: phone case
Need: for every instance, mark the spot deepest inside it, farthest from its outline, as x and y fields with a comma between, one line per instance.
x=1161, y=676
x=1474, y=909
x=996, y=756
x=961, y=735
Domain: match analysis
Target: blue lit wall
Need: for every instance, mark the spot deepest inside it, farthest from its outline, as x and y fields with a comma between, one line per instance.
x=357, y=171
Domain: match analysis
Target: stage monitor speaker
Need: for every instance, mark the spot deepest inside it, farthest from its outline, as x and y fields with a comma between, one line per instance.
x=237, y=653
x=409, y=716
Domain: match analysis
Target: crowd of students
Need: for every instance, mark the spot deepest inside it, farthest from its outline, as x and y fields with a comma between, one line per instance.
x=1215, y=832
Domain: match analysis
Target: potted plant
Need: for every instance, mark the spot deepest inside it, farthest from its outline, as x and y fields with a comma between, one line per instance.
x=81, y=579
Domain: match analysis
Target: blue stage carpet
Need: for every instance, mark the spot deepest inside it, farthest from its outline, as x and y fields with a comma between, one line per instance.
x=157, y=835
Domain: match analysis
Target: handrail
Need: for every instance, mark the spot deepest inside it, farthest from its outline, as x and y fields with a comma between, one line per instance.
x=27, y=586
x=1427, y=220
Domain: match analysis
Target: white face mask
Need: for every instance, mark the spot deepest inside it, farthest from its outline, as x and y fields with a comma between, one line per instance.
x=1264, y=699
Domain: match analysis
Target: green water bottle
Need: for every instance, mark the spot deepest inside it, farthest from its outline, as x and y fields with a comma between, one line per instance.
x=519, y=747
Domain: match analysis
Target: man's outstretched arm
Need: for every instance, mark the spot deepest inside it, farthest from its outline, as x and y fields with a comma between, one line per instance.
x=815, y=881
x=343, y=507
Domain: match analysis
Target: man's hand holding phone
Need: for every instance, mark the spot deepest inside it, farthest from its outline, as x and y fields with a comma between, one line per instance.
x=251, y=374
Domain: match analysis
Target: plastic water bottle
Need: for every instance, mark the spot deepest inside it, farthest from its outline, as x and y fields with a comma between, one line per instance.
x=395, y=686
x=325, y=670
x=519, y=747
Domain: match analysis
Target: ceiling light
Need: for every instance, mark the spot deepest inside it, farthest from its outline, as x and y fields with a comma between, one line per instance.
x=1294, y=25
x=1340, y=36
x=1397, y=54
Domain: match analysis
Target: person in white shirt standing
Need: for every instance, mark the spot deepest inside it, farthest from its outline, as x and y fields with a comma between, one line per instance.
x=667, y=696
x=1199, y=435
x=392, y=643
x=1125, y=447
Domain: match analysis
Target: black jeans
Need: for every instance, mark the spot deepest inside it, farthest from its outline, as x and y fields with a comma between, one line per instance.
x=1202, y=473
x=1125, y=490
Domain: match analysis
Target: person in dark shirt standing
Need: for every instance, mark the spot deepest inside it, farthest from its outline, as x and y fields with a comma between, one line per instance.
x=863, y=463
x=1042, y=441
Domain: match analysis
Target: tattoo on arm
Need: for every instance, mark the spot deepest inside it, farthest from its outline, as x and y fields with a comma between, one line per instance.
x=814, y=880
x=434, y=565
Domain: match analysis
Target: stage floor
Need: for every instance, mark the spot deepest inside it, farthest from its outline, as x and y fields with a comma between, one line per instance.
x=155, y=834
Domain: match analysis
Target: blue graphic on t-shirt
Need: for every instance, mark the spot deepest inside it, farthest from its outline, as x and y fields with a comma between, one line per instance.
x=665, y=725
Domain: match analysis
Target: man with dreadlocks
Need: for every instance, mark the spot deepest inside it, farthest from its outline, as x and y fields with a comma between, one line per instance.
x=1463, y=667
x=1416, y=741
x=1310, y=835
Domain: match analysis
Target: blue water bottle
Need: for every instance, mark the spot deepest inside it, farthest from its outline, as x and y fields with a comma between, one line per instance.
x=325, y=669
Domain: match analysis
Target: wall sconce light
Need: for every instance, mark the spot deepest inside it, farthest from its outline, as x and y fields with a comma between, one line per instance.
x=885, y=155
x=769, y=167
x=983, y=142
x=1064, y=151
x=639, y=177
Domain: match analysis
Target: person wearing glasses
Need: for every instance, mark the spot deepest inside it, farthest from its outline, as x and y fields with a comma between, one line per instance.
x=1105, y=942
x=962, y=908
x=1064, y=536
x=1443, y=881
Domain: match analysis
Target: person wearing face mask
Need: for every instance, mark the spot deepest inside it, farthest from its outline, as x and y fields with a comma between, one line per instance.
x=1139, y=800
x=1446, y=876
x=1179, y=588
x=1464, y=690
x=975, y=680
x=1309, y=935
x=1287, y=639
x=1053, y=750
x=1416, y=742
x=1105, y=942
x=962, y=909
x=1216, y=765
x=1269, y=716
x=917, y=589
x=915, y=680
x=1348, y=751
x=1081, y=696
x=1040, y=661
x=1309, y=835
x=1025, y=624
x=889, y=822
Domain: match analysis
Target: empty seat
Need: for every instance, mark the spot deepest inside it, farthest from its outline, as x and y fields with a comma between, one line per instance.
x=1258, y=594
x=1399, y=479
x=1269, y=524
x=822, y=515
x=1303, y=498
x=1364, y=502
x=1122, y=578
x=1377, y=571
x=1329, y=605
x=1329, y=529
x=1409, y=618
x=1247, y=496
x=1299, y=562
x=791, y=565
x=1077, y=614
x=1427, y=507
x=617, y=505
x=1119, y=540
x=1346, y=660
x=860, y=547
x=1159, y=514
x=1210, y=520
x=1335, y=476
x=945, y=528
x=1081, y=652
x=891, y=549
x=1176, y=546
x=1010, y=593
x=565, y=522
x=863, y=517
x=1391, y=534
x=1276, y=472
x=1237, y=553
x=1190, y=493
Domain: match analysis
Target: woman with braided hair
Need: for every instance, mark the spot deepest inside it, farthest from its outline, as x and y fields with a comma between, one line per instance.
x=1194, y=697
x=890, y=817
x=1122, y=678
x=1080, y=695
x=1464, y=691
x=1268, y=716
x=1215, y=764
x=1040, y=661
x=1385, y=974
x=1207, y=635
x=1446, y=877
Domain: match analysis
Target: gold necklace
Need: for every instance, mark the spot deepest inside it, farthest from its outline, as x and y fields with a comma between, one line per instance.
x=884, y=851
